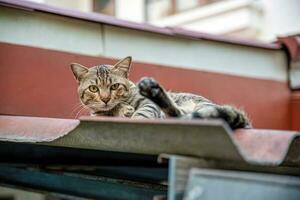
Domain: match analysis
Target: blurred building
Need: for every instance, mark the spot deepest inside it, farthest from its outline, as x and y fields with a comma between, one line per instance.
x=253, y=19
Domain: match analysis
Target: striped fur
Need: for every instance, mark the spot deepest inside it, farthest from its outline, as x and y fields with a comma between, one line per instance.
x=107, y=91
x=190, y=106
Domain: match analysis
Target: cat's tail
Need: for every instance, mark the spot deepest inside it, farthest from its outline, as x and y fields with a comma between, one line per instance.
x=234, y=117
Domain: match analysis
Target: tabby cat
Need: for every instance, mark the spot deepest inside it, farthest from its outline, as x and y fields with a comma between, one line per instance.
x=107, y=91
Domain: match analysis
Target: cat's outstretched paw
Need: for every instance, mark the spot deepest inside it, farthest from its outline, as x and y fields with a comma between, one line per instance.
x=127, y=111
x=149, y=88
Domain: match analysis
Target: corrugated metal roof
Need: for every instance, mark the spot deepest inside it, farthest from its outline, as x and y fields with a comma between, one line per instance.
x=205, y=139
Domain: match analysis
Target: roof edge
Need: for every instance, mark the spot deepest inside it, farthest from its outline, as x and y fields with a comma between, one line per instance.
x=100, y=18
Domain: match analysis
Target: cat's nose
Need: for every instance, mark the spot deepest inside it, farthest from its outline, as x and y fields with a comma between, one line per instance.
x=105, y=100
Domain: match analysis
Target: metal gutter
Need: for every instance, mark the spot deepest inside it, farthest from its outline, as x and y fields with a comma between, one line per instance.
x=202, y=139
x=37, y=154
x=99, y=18
x=292, y=46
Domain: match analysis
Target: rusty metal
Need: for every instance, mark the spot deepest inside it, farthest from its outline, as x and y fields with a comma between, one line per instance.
x=34, y=129
x=295, y=111
x=148, y=137
x=292, y=43
x=268, y=146
x=202, y=144
x=204, y=139
x=292, y=46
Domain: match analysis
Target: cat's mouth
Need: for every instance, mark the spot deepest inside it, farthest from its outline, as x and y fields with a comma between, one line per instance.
x=102, y=108
x=103, y=111
x=106, y=108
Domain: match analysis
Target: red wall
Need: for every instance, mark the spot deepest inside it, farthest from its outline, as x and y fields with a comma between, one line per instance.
x=295, y=111
x=38, y=82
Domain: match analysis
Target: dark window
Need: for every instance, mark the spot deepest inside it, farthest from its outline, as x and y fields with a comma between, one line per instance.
x=106, y=7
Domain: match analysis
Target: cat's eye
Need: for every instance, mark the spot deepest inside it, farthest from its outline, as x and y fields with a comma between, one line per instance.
x=93, y=88
x=115, y=86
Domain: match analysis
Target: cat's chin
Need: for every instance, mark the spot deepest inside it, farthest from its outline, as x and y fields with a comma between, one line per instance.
x=104, y=109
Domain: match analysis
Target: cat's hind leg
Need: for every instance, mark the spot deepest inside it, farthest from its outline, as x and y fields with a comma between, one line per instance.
x=152, y=90
x=233, y=116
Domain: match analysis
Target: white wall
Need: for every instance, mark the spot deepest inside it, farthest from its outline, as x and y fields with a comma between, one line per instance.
x=78, y=36
x=281, y=17
x=195, y=54
x=132, y=10
x=50, y=31
x=256, y=19
x=81, y=5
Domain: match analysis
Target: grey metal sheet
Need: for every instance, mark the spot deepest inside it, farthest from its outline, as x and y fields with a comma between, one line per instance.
x=198, y=138
x=222, y=185
x=203, y=139
x=180, y=166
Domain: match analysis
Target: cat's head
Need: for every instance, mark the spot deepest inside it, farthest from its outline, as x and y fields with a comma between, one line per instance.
x=103, y=87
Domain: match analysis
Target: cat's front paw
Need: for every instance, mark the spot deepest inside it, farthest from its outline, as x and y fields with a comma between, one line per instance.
x=128, y=111
x=149, y=87
x=125, y=111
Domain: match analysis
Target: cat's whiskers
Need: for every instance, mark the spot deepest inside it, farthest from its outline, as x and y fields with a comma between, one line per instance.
x=82, y=107
x=79, y=112
x=75, y=108
x=76, y=105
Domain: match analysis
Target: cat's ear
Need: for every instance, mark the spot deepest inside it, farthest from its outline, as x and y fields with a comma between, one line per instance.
x=123, y=66
x=78, y=70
